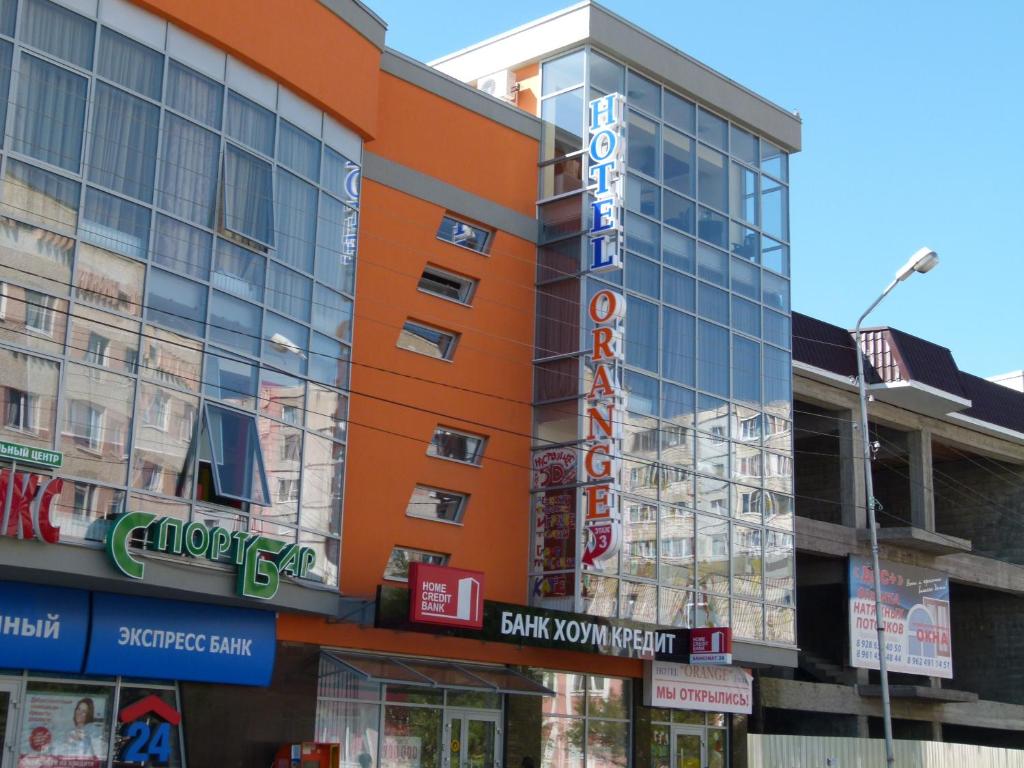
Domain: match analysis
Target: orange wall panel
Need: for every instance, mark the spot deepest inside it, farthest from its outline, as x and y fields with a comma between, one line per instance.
x=423, y=131
x=528, y=98
x=399, y=397
x=300, y=44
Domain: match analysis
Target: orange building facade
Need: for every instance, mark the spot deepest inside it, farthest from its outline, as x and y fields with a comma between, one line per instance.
x=292, y=337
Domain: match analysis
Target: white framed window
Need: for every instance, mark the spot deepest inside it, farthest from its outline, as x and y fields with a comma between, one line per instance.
x=426, y=340
x=287, y=489
x=87, y=424
x=291, y=414
x=152, y=474
x=157, y=412
x=291, y=448
x=187, y=423
x=456, y=446
x=3, y=301
x=750, y=429
x=85, y=500
x=447, y=285
x=437, y=504
x=97, y=349
x=463, y=234
x=22, y=412
x=39, y=312
x=397, y=568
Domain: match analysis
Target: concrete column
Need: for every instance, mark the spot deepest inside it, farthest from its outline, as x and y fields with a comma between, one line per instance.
x=922, y=489
x=863, y=730
x=851, y=470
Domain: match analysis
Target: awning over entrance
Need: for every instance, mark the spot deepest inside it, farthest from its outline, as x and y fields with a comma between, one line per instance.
x=436, y=674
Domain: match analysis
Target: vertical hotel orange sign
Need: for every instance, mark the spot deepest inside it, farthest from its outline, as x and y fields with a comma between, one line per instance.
x=606, y=398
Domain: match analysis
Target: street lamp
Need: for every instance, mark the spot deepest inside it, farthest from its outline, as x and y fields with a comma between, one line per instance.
x=922, y=261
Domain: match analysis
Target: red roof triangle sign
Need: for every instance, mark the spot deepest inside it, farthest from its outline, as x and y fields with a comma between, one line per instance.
x=151, y=703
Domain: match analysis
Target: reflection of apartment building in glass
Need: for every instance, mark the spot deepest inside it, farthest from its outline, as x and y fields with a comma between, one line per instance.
x=947, y=468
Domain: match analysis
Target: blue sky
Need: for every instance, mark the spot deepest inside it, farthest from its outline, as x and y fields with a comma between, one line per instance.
x=911, y=136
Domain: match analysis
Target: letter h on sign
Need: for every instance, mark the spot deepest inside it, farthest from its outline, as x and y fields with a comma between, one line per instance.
x=605, y=156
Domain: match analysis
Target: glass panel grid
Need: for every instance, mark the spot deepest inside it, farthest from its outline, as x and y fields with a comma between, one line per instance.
x=723, y=207
x=140, y=142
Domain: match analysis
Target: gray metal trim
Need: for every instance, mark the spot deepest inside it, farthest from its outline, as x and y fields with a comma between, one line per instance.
x=87, y=568
x=457, y=92
x=458, y=201
x=758, y=655
x=673, y=67
x=360, y=18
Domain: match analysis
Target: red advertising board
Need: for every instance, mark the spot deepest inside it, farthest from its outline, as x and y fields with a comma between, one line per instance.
x=711, y=645
x=448, y=596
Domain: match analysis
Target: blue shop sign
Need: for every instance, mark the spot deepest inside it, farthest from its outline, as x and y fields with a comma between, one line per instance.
x=173, y=640
x=42, y=628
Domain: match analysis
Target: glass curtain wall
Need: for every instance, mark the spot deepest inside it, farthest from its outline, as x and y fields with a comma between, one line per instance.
x=707, y=468
x=177, y=267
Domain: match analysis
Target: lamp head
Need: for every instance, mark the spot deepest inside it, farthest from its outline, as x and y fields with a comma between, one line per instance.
x=923, y=260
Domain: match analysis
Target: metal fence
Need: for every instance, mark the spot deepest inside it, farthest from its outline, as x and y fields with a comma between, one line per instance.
x=833, y=752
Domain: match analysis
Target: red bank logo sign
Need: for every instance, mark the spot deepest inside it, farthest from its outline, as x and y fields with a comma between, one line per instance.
x=448, y=596
x=711, y=645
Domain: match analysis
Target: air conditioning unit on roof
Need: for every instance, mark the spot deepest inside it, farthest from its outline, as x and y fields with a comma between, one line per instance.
x=500, y=84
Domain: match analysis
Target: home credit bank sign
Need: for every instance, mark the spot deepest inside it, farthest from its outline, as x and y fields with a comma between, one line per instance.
x=447, y=596
x=606, y=398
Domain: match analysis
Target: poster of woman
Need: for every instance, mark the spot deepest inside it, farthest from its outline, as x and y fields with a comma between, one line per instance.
x=63, y=730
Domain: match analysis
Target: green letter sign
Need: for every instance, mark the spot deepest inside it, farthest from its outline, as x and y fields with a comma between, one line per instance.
x=260, y=561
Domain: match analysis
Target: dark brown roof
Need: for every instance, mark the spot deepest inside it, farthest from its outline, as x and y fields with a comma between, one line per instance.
x=823, y=345
x=993, y=402
x=909, y=358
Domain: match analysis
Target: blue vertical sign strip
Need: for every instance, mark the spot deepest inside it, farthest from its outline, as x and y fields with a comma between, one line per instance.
x=605, y=152
x=42, y=628
x=173, y=640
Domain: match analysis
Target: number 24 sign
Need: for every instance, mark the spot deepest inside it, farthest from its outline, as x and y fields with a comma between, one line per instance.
x=147, y=740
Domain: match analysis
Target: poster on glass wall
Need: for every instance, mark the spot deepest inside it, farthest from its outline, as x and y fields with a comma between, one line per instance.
x=915, y=609
x=63, y=730
x=554, y=524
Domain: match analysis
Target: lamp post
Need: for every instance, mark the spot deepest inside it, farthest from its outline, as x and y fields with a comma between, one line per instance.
x=922, y=261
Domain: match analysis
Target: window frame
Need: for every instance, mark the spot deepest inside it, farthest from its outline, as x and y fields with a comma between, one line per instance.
x=40, y=306
x=28, y=408
x=460, y=511
x=478, y=455
x=260, y=467
x=484, y=248
x=467, y=285
x=449, y=351
x=444, y=559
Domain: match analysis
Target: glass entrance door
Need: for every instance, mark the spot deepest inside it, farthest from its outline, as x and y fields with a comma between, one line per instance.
x=688, y=748
x=473, y=739
x=9, y=700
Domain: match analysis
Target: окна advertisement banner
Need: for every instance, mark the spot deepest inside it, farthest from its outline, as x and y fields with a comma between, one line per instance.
x=63, y=730
x=915, y=608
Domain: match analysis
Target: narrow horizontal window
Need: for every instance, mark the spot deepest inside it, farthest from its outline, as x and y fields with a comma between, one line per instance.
x=447, y=285
x=435, y=504
x=466, y=235
x=457, y=446
x=401, y=558
x=427, y=341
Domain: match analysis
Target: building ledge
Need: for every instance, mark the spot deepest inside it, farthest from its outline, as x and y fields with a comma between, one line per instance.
x=922, y=692
x=918, y=397
x=918, y=538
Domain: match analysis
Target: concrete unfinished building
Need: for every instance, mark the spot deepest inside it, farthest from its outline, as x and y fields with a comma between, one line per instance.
x=948, y=470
